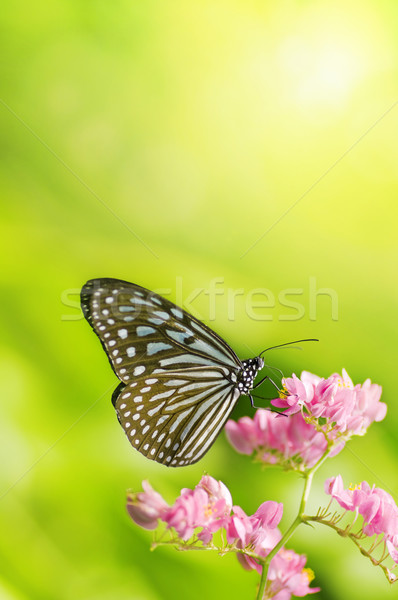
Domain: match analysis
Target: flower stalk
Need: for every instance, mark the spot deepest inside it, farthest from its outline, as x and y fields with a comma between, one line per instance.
x=356, y=539
x=300, y=518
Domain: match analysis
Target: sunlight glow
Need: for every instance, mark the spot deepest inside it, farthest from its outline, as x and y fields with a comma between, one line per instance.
x=326, y=72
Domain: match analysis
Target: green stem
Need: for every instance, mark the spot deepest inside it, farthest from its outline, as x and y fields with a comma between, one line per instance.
x=308, y=477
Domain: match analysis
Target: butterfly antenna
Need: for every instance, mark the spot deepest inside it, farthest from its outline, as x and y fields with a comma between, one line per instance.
x=275, y=369
x=289, y=344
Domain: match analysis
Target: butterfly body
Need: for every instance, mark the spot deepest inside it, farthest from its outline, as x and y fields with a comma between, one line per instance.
x=179, y=379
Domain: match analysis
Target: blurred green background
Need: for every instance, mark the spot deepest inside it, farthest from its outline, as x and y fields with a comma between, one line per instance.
x=176, y=144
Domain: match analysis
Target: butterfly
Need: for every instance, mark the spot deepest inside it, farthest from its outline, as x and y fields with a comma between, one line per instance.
x=179, y=379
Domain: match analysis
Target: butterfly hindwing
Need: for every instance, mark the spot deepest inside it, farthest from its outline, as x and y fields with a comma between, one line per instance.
x=174, y=417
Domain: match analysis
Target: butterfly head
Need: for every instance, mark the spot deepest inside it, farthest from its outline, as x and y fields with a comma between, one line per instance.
x=259, y=363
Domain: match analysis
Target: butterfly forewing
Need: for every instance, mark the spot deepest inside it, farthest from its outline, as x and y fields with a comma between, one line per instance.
x=178, y=376
x=134, y=323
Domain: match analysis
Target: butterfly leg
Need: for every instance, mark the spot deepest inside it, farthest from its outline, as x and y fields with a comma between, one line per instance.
x=264, y=407
x=269, y=379
x=261, y=397
x=252, y=401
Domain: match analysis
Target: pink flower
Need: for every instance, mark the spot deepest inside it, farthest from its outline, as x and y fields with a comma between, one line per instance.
x=239, y=527
x=243, y=436
x=377, y=507
x=287, y=576
x=274, y=438
x=187, y=513
x=251, y=531
x=347, y=408
x=145, y=508
x=207, y=506
x=216, y=490
x=300, y=392
x=258, y=532
x=269, y=540
x=334, y=487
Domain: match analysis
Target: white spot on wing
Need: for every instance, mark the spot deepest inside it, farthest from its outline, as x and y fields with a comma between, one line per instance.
x=162, y=395
x=162, y=314
x=143, y=330
x=178, y=420
x=154, y=347
x=153, y=411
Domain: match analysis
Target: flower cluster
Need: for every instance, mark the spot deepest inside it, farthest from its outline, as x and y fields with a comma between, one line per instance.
x=323, y=415
x=207, y=506
x=320, y=416
x=198, y=514
x=275, y=439
x=345, y=409
x=375, y=505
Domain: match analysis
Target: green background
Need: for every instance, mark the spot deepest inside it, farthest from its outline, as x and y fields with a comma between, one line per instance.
x=172, y=143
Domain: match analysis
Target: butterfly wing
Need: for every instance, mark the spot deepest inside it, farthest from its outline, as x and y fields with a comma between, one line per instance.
x=184, y=372
x=174, y=418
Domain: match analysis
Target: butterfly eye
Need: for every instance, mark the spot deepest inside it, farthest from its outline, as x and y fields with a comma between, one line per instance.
x=179, y=380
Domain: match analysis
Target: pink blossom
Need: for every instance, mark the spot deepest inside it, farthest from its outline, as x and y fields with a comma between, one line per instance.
x=218, y=508
x=287, y=576
x=334, y=487
x=274, y=438
x=258, y=531
x=243, y=436
x=216, y=490
x=188, y=512
x=239, y=527
x=269, y=539
x=145, y=508
x=300, y=392
x=347, y=408
x=377, y=507
x=206, y=506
